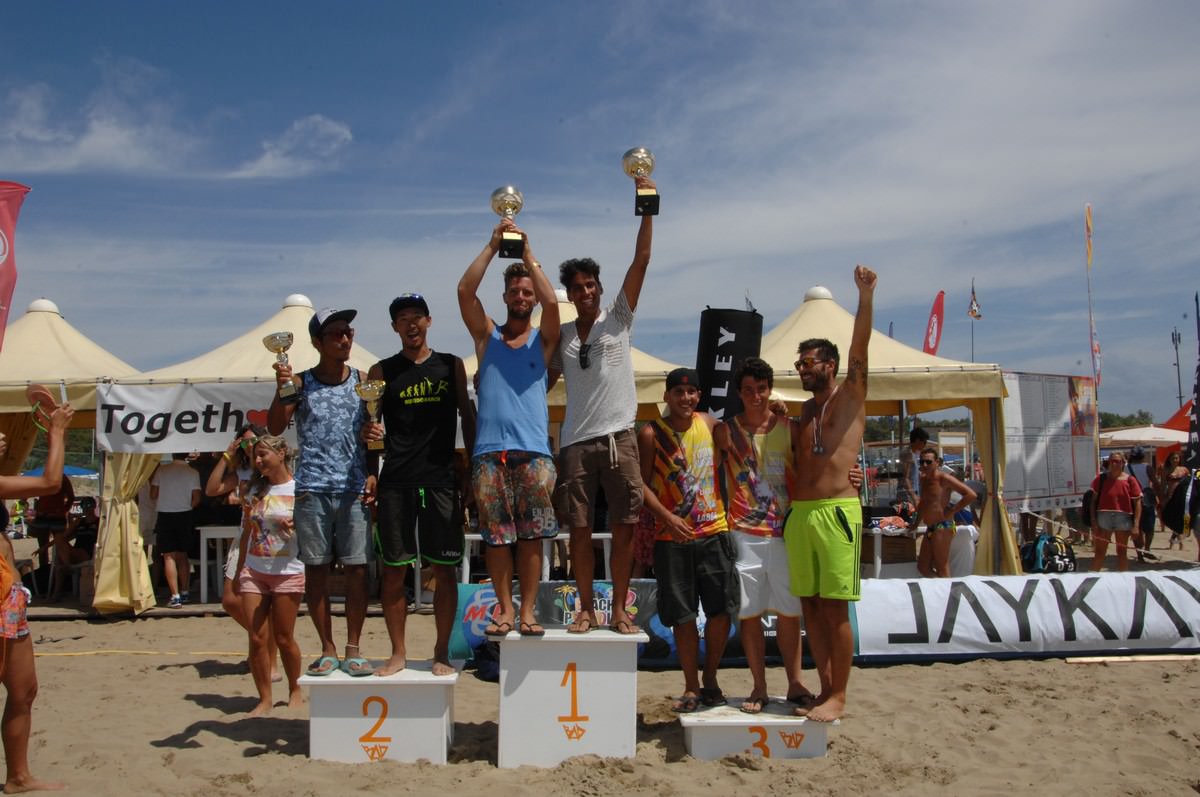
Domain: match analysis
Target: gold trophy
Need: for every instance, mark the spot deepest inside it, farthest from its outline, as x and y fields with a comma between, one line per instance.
x=639, y=162
x=278, y=343
x=371, y=391
x=507, y=201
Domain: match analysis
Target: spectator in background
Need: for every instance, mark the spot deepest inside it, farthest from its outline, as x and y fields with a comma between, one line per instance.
x=76, y=544
x=1173, y=472
x=909, y=488
x=175, y=487
x=1147, y=477
x=50, y=515
x=1116, y=509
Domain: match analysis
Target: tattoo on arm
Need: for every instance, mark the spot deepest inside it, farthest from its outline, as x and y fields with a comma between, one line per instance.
x=856, y=371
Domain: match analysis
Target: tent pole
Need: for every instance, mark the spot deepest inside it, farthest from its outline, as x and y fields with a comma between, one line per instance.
x=997, y=525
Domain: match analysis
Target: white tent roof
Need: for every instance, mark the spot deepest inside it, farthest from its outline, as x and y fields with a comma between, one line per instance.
x=1153, y=436
x=896, y=372
x=42, y=347
x=245, y=359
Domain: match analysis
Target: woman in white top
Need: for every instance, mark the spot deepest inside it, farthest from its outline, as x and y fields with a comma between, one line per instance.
x=270, y=575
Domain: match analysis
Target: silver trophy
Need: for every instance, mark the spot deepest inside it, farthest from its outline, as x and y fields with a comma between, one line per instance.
x=507, y=201
x=639, y=162
x=278, y=343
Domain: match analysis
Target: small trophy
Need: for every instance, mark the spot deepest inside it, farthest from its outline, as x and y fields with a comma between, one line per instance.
x=371, y=391
x=639, y=162
x=278, y=343
x=507, y=202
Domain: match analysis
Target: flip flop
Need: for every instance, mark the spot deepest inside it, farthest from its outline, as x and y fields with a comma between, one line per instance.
x=531, y=629
x=754, y=705
x=357, y=667
x=625, y=628
x=498, y=630
x=685, y=704
x=318, y=667
x=41, y=403
x=806, y=700
x=712, y=697
x=582, y=625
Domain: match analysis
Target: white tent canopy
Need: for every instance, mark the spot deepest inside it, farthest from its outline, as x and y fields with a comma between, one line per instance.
x=245, y=359
x=1151, y=436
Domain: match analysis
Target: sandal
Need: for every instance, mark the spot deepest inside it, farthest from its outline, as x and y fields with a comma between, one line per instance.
x=625, y=628
x=685, y=704
x=754, y=705
x=531, y=629
x=357, y=667
x=582, y=625
x=498, y=630
x=712, y=697
x=319, y=667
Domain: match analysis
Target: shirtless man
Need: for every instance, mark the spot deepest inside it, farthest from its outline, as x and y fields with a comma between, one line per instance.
x=512, y=472
x=17, y=670
x=823, y=533
x=935, y=511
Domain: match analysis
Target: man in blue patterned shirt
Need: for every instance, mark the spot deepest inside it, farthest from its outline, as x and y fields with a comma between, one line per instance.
x=333, y=489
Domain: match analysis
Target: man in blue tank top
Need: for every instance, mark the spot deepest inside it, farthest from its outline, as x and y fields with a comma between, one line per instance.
x=333, y=490
x=512, y=472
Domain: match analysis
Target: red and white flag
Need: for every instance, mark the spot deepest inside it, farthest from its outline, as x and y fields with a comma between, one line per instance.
x=933, y=330
x=11, y=197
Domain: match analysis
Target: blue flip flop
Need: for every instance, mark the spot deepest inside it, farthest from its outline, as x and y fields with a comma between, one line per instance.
x=357, y=667
x=318, y=667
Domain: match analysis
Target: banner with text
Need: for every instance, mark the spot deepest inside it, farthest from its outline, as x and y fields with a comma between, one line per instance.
x=1069, y=614
x=169, y=418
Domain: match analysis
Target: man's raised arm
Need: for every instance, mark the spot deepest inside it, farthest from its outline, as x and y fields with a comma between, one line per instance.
x=473, y=315
x=856, y=366
x=632, y=288
x=547, y=298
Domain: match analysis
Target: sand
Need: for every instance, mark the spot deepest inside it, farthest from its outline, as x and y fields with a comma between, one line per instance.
x=157, y=706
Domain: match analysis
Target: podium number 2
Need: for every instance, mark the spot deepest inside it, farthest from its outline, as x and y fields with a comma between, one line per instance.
x=369, y=736
x=571, y=676
x=761, y=744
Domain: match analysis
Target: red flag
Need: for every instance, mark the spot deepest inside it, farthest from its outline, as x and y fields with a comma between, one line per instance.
x=933, y=330
x=11, y=197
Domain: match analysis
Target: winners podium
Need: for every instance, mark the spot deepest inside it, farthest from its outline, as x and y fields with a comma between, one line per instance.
x=774, y=733
x=403, y=717
x=564, y=695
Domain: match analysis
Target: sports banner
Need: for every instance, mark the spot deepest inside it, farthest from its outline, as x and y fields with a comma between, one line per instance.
x=1068, y=614
x=165, y=419
x=727, y=337
x=933, y=328
x=11, y=197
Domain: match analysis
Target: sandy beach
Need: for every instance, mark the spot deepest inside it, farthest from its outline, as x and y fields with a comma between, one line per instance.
x=157, y=705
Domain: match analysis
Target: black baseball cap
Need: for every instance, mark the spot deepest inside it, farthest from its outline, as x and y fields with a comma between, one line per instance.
x=683, y=376
x=405, y=301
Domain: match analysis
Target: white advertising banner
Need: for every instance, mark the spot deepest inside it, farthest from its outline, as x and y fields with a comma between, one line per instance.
x=164, y=419
x=1066, y=614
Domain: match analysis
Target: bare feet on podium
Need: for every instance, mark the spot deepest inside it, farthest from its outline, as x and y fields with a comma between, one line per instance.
x=395, y=664
x=442, y=665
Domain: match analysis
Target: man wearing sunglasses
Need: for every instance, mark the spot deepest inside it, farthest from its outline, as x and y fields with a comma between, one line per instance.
x=598, y=448
x=935, y=511
x=823, y=531
x=419, y=495
x=333, y=490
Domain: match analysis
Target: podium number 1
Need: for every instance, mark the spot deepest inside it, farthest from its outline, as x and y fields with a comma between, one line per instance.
x=571, y=675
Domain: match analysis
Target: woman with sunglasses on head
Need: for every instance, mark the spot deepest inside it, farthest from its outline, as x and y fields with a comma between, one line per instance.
x=935, y=510
x=1116, y=508
x=270, y=574
x=230, y=477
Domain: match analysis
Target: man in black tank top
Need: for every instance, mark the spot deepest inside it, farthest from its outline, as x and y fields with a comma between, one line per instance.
x=419, y=494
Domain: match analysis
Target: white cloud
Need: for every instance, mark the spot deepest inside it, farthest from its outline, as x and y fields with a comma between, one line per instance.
x=310, y=145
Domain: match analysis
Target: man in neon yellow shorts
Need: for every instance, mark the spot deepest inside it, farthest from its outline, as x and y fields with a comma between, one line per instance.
x=823, y=532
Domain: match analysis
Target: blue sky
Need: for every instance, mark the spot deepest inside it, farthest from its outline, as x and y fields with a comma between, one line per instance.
x=192, y=164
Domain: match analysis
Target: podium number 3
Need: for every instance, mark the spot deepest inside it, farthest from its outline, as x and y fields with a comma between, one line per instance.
x=761, y=744
x=571, y=676
x=369, y=737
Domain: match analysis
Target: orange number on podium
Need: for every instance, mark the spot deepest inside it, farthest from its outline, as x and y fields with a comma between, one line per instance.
x=571, y=674
x=761, y=744
x=370, y=736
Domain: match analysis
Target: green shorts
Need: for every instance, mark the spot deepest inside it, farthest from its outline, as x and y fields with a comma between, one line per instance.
x=824, y=539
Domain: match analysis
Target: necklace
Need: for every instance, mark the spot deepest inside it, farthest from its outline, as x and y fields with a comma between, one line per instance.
x=818, y=446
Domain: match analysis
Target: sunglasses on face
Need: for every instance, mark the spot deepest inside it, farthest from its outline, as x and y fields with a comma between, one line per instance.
x=925, y=462
x=248, y=443
x=808, y=362
x=335, y=334
x=584, y=351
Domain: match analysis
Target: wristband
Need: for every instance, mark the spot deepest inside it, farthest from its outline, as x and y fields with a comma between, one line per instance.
x=228, y=458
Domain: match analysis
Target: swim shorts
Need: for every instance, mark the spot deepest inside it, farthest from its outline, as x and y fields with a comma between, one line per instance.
x=762, y=568
x=824, y=539
x=425, y=520
x=13, y=622
x=513, y=495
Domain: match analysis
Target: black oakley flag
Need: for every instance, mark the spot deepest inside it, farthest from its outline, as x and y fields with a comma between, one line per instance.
x=1191, y=456
x=727, y=338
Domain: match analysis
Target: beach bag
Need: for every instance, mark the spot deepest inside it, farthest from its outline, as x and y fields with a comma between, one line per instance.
x=1049, y=553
